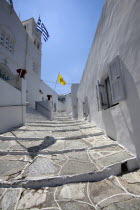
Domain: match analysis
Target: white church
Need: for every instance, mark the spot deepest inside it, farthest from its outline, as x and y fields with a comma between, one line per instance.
x=20, y=69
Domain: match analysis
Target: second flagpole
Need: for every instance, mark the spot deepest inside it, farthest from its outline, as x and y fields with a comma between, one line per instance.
x=54, y=91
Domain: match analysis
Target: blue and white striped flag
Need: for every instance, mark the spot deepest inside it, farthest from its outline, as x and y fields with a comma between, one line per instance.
x=42, y=29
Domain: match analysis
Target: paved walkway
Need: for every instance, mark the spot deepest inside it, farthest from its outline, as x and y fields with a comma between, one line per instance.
x=65, y=164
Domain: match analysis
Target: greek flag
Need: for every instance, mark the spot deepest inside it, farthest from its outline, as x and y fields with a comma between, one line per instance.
x=42, y=29
x=11, y=3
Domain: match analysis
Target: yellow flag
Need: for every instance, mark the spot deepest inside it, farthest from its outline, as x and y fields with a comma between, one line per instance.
x=61, y=80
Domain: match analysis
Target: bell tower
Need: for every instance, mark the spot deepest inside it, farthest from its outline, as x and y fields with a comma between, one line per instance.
x=35, y=49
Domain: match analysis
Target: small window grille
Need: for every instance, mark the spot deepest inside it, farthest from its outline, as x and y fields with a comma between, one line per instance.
x=11, y=45
x=2, y=38
x=7, y=43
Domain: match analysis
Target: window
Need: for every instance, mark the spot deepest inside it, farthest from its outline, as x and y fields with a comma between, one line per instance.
x=38, y=46
x=7, y=43
x=2, y=38
x=35, y=42
x=110, y=90
x=34, y=67
x=41, y=91
x=11, y=46
x=116, y=80
x=85, y=107
x=63, y=99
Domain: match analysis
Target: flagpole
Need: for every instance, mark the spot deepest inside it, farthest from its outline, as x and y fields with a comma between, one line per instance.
x=54, y=90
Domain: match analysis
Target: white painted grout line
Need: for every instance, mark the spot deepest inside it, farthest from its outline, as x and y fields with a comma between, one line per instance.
x=3, y=194
x=110, y=154
x=56, y=200
x=92, y=160
x=49, y=208
x=84, y=202
x=110, y=197
x=89, y=196
x=64, y=163
x=134, y=195
x=78, y=201
x=22, y=171
x=18, y=198
x=122, y=187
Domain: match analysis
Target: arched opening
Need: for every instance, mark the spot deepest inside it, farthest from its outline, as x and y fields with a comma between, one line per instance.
x=38, y=45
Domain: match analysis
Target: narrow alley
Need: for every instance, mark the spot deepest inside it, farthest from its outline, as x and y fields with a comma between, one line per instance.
x=65, y=164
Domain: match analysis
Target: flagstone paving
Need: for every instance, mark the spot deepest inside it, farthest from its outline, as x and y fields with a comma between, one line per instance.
x=65, y=164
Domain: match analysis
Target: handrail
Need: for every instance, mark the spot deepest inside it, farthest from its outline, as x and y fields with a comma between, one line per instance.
x=42, y=106
x=14, y=105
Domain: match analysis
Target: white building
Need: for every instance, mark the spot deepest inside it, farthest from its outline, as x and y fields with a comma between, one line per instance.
x=74, y=100
x=20, y=48
x=109, y=92
x=68, y=104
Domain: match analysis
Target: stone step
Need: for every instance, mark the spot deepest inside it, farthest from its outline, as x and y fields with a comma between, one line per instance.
x=68, y=167
x=121, y=192
x=54, y=181
x=64, y=167
x=55, y=123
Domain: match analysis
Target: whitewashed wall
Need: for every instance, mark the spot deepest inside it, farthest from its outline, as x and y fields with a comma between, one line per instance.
x=68, y=104
x=12, y=105
x=10, y=24
x=45, y=108
x=61, y=107
x=25, y=52
x=74, y=99
x=118, y=32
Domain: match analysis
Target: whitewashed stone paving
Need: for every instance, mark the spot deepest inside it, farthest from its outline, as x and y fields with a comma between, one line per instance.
x=38, y=157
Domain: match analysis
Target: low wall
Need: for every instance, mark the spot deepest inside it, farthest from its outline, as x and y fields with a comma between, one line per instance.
x=45, y=108
x=68, y=104
x=12, y=105
x=61, y=107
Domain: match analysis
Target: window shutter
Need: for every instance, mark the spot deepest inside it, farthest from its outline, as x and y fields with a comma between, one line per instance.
x=97, y=96
x=101, y=96
x=104, y=101
x=83, y=109
x=86, y=107
x=116, y=81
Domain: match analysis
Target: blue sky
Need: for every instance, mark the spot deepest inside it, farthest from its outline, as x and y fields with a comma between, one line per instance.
x=71, y=25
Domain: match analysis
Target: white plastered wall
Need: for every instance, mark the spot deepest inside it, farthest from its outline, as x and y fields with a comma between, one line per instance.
x=118, y=33
x=12, y=105
x=74, y=99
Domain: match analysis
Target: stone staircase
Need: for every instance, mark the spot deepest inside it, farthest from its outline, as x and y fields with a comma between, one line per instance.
x=64, y=164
